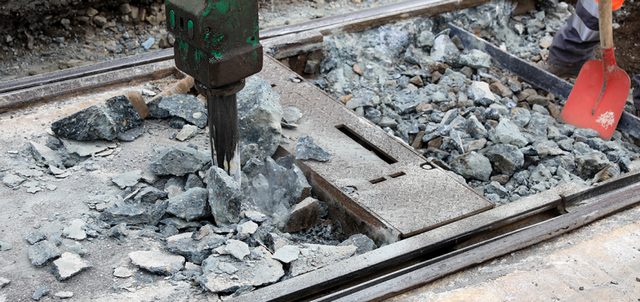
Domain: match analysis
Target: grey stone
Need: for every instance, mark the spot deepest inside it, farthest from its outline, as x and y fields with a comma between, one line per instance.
x=247, y=228
x=362, y=242
x=481, y=94
x=97, y=122
x=174, y=186
x=303, y=215
x=131, y=134
x=450, y=81
x=150, y=195
x=307, y=149
x=237, y=249
x=505, y=159
x=69, y=265
x=548, y=148
x=193, y=181
x=314, y=256
x=586, y=132
x=35, y=237
x=187, y=132
x=75, y=230
x=12, y=181
x=225, y=196
x=157, y=262
x=291, y=115
x=147, y=44
x=74, y=247
x=123, y=272
x=444, y=50
x=179, y=161
x=217, y=276
x=539, y=123
x=591, y=163
x=5, y=246
x=508, y=133
x=184, y=106
x=45, y=155
x=127, y=179
x=41, y=292
x=63, y=295
x=134, y=213
x=255, y=216
x=472, y=165
x=84, y=149
x=119, y=231
x=475, y=127
x=476, y=59
x=496, y=188
x=259, y=114
x=287, y=254
x=194, y=250
x=190, y=205
x=425, y=39
x=4, y=282
x=42, y=252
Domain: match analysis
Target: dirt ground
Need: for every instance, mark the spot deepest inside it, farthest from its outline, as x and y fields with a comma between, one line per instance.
x=627, y=39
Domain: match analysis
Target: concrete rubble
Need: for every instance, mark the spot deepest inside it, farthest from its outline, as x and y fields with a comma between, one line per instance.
x=69, y=265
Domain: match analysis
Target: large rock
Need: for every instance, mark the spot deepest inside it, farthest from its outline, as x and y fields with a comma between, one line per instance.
x=184, y=106
x=43, y=252
x=303, y=215
x=225, y=196
x=104, y=121
x=157, y=262
x=507, y=132
x=69, y=265
x=223, y=274
x=194, y=250
x=591, y=163
x=133, y=213
x=472, y=165
x=315, y=256
x=259, y=114
x=190, y=205
x=179, y=161
x=506, y=159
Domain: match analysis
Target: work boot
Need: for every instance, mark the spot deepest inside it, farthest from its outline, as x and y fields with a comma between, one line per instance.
x=562, y=70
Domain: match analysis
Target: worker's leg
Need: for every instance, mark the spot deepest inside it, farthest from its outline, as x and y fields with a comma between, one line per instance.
x=636, y=93
x=575, y=42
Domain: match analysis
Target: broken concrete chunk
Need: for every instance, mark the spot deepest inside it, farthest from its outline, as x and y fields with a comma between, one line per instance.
x=4, y=282
x=304, y=215
x=237, y=249
x=127, y=179
x=246, y=229
x=5, y=246
x=307, y=149
x=193, y=181
x=12, y=181
x=45, y=155
x=287, y=254
x=134, y=213
x=255, y=216
x=194, y=249
x=40, y=292
x=35, y=237
x=69, y=265
x=63, y=295
x=184, y=106
x=187, y=132
x=130, y=135
x=85, y=149
x=190, y=205
x=97, y=122
x=75, y=230
x=315, y=256
x=157, y=262
x=222, y=274
x=259, y=116
x=43, y=252
x=123, y=272
x=505, y=159
x=225, y=197
x=362, y=242
x=179, y=161
x=150, y=194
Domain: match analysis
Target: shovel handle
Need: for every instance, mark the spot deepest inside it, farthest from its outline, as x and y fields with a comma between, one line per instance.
x=606, y=24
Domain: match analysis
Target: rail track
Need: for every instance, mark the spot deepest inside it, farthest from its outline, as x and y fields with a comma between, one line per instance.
x=420, y=258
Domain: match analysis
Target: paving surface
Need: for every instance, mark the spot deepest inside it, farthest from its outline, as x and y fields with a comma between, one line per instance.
x=599, y=262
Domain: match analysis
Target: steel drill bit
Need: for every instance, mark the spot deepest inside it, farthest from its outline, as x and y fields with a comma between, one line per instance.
x=224, y=132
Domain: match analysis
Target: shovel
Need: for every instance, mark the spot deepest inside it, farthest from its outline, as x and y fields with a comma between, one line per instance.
x=602, y=88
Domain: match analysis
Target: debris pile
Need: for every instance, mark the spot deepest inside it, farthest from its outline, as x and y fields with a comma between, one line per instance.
x=453, y=105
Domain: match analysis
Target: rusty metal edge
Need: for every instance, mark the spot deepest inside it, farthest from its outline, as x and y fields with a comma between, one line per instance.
x=597, y=207
x=531, y=73
x=359, y=20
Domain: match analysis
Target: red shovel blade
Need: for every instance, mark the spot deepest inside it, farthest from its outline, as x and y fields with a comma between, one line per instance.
x=595, y=104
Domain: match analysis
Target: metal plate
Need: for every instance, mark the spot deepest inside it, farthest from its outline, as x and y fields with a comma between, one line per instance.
x=379, y=179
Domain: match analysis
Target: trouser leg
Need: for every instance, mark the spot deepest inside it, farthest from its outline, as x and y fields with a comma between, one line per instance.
x=575, y=42
x=636, y=92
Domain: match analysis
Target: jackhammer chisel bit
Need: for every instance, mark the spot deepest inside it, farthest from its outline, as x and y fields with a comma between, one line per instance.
x=217, y=44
